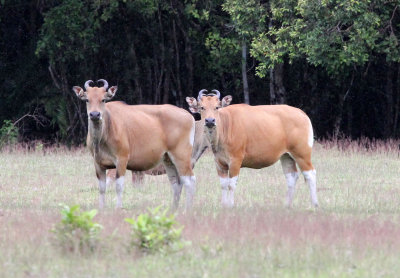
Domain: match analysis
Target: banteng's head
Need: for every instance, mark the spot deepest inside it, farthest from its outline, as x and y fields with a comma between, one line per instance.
x=95, y=98
x=208, y=106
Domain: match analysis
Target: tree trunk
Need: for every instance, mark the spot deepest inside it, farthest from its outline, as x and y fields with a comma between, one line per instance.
x=74, y=110
x=388, y=102
x=189, y=65
x=138, y=93
x=397, y=106
x=339, y=116
x=166, y=87
x=244, y=73
x=277, y=90
x=178, y=67
x=189, y=76
x=162, y=62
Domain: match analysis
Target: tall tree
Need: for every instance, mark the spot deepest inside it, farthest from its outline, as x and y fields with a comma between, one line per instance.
x=340, y=36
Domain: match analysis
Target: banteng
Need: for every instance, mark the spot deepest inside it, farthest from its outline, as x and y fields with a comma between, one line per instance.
x=255, y=137
x=200, y=145
x=138, y=137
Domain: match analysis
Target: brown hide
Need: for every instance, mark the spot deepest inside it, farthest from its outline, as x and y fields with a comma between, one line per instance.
x=257, y=136
x=200, y=145
x=141, y=135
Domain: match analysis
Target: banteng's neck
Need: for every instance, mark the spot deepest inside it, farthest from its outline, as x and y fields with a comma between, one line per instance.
x=200, y=142
x=212, y=136
x=217, y=135
x=97, y=131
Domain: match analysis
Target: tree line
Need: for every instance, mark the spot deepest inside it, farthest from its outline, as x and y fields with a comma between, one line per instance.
x=338, y=60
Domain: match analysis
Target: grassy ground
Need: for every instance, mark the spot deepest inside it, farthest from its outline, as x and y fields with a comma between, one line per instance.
x=354, y=233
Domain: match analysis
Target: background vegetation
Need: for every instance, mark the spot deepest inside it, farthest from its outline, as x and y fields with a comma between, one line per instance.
x=338, y=60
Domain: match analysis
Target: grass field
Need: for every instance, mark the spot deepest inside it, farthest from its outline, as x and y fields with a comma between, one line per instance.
x=354, y=233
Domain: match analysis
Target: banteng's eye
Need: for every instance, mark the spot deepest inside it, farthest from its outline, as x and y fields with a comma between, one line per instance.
x=202, y=108
x=216, y=108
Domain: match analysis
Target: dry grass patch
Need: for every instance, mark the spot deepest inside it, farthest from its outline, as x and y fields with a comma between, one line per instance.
x=355, y=233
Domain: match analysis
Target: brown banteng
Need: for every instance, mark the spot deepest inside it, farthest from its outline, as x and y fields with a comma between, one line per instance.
x=138, y=137
x=255, y=137
x=200, y=145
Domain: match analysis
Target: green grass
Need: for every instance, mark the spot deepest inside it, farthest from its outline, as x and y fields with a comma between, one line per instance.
x=354, y=233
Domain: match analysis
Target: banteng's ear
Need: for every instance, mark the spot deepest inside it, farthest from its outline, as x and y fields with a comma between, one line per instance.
x=226, y=100
x=193, y=107
x=111, y=93
x=79, y=92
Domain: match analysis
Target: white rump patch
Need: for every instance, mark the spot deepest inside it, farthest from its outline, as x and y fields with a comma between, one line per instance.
x=192, y=131
x=310, y=134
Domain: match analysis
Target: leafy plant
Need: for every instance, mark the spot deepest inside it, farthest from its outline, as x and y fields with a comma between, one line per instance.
x=156, y=231
x=8, y=134
x=77, y=232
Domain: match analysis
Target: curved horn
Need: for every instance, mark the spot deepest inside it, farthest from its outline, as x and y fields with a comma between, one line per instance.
x=201, y=94
x=217, y=93
x=87, y=84
x=105, y=83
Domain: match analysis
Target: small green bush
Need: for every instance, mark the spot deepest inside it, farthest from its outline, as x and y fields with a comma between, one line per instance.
x=156, y=232
x=77, y=232
x=8, y=134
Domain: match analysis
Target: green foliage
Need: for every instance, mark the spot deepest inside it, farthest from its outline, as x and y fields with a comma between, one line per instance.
x=77, y=232
x=221, y=51
x=334, y=34
x=248, y=16
x=57, y=110
x=68, y=31
x=8, y=134
x=161, y=51
x=156, y=231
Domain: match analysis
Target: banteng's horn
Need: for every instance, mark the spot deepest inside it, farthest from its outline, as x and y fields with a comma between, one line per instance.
x=217, y=93
x=105, y=83
x=201, y=94
x=87, y=84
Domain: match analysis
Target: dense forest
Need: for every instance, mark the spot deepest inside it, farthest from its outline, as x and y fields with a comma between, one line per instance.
x=338, y=60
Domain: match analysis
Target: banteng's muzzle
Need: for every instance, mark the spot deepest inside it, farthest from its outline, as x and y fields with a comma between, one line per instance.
x=95, y=115
x=209, y=122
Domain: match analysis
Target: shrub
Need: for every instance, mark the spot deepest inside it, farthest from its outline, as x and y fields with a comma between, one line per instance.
x=8, y=134
x=77, y=232
x=156, y=232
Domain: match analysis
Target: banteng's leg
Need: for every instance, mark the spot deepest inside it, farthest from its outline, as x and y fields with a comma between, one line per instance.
x=120, y=177
x=101, y=176
x=137, y=177
x=111, y=173
x=290, y=170
x=310, y=176
x=173, y=177
x=224, y=181
x=182, y=162
x=234, y=169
